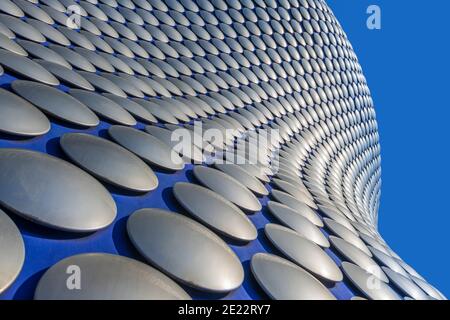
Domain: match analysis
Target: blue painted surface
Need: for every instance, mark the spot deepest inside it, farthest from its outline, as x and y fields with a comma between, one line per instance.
x=407, y=67
x=45, y=247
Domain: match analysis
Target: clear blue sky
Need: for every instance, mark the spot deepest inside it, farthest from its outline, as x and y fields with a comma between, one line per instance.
x=407, y=65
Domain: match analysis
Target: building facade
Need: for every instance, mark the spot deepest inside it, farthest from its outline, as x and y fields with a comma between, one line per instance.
x=189, y=149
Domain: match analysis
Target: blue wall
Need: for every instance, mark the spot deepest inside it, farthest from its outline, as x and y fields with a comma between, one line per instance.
x=407, y=66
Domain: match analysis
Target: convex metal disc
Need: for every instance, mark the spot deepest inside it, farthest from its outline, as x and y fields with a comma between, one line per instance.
x=185, y=250
x=53, y=192
x=371, y=286
x=12, y=251
x=283, y=280
x=297, y=222
x=18, y=117
x=228, y=187
x=215, y=211
x=27, y=68
x=243, y=177
x=106, y=277
x=303, y=252
x=147, y=147
x=56, y=103
x=109, y=162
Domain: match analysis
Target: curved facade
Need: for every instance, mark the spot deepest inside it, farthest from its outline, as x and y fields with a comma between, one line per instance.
x=189, y=149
